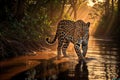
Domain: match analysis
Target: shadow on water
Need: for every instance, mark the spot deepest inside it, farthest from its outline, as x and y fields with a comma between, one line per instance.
x=50, y=71
x=103, y=63
x=81, y=71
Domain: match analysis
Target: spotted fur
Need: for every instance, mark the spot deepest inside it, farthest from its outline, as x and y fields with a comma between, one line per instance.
x=75, y=32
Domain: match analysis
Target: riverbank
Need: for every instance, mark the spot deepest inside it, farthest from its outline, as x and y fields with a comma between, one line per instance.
x=11, y=67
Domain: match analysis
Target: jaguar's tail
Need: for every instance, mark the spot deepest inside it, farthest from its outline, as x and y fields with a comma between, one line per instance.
x=51, y=42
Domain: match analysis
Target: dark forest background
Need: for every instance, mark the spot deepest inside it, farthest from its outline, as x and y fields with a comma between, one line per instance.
x=24, y=24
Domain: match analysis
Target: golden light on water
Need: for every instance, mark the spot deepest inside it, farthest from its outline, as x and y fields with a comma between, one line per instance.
x=101, y=60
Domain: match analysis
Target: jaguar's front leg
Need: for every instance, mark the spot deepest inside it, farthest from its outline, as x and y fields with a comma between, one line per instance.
x=78, y=51
x=84, y=47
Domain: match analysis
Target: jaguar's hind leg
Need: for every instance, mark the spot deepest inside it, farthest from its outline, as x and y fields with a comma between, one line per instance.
x=78, y=52
x=64, y=47
x=60, y=43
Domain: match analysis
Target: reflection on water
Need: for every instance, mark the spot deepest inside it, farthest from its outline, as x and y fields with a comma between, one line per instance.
x=81, y=71
x=103, y=63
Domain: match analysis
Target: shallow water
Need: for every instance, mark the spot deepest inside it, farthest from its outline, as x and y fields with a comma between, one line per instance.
x=102, y=63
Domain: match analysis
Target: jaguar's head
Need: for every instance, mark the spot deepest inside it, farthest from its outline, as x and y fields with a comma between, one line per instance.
x=82, y=27
x=86, y=27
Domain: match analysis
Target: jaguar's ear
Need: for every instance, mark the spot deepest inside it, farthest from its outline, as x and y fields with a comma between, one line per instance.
x=88, y=23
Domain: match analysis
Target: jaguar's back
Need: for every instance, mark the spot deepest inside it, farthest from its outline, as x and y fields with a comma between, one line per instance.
x=66, y=27
x=74, y=30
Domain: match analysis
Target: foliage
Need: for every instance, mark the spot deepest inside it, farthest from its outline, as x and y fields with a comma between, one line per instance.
x=24, y=23
x=34, y=26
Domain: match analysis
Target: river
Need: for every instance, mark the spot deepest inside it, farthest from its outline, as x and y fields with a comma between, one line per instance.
x=102, y=63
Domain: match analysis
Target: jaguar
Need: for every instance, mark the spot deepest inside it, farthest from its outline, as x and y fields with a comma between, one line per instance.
x=76, y=32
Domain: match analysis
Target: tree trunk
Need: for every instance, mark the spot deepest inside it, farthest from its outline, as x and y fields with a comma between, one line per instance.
x=119, y=11
x=118, y=20
x=107, y=8
x=75, y=12
x=112, y=6
x=62, y=10
x=73, y=3
x=51, y=10
x=20, y=9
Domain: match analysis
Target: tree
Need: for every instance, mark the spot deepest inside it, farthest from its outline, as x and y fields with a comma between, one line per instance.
x=107, y=7
x=112, y=6
x=12, y=9
x=74, y=5
x=119, y=12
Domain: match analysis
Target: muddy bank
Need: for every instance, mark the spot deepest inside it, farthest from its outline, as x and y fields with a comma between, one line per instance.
x=10, y=48
x=17, y=65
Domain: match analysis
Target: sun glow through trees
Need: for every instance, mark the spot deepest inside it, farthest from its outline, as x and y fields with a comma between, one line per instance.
x=91, y=3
